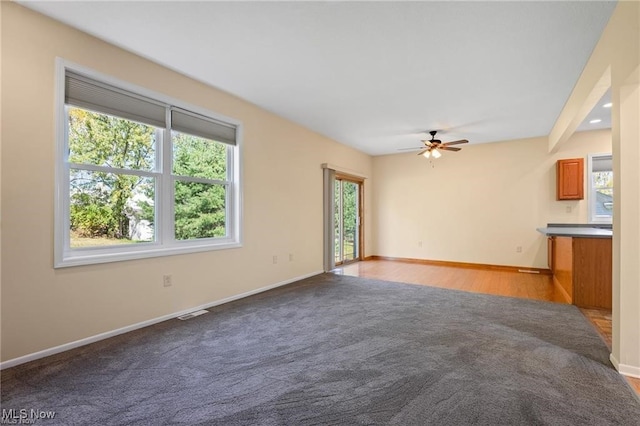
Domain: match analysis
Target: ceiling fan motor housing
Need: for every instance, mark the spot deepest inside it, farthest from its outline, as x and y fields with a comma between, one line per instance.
x=433, y=145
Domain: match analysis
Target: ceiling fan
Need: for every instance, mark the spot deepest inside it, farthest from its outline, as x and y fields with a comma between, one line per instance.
x=433, y=146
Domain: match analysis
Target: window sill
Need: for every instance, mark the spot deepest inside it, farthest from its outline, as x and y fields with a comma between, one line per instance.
x=90, y=257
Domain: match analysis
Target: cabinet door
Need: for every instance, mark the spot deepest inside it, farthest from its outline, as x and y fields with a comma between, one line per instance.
x=570, y=179
x=592, y=265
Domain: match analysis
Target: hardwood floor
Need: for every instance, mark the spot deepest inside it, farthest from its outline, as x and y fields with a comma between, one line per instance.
x=501, y=283
x=601, y=320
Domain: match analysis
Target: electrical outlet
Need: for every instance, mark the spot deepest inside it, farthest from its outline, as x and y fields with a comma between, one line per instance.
x=166, y=281
x=275, y=259
x=568, y=209
x=419, y=243
x=290, y=257
x=519, y=249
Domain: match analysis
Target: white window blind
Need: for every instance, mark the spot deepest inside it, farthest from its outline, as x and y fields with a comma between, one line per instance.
x=602, y=164
x=86, y=93
x=198, y=125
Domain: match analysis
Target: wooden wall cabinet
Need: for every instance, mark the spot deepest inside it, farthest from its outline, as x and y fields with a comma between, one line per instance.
x=582, y=270
x=570, y=179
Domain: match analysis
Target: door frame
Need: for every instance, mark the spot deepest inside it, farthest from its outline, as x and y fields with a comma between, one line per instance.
x=329, y=173
x=360, y=182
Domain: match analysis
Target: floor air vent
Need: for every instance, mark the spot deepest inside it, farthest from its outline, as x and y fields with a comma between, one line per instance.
x=192, y=314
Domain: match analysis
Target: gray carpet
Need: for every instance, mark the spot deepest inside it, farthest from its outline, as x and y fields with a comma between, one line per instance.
x=340, y=350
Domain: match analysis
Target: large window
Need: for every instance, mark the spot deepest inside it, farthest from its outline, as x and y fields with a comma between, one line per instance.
x=600, y=188
x=141, y=176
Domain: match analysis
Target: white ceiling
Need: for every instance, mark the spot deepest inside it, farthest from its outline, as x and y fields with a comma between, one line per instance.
x=372, y=75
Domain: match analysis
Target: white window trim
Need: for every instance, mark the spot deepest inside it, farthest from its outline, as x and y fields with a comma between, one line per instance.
x=66, y=257
x=592, y=208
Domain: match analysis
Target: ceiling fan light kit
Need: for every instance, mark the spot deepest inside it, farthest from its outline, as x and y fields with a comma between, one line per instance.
x=433, y=146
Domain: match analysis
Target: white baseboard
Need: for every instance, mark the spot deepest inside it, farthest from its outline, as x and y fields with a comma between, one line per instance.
x=627, y=370
x=82, y=342
x=614, y=361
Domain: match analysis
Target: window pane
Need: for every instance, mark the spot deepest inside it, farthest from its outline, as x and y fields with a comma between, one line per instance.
x=200, y=210
x=349, y=218
x=108, y=208
x=601, y=176
x=337, y=219
x=104, y=140
x=198, y=157
x=603, y=184
x=603, y=179
x=604, y=202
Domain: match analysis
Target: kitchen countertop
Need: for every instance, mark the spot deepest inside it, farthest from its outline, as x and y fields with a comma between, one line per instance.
x=576, y=230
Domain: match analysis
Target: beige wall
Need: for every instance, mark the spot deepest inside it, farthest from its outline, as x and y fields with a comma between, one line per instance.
x=43, y=307
x=616, y=60
x=476, y=205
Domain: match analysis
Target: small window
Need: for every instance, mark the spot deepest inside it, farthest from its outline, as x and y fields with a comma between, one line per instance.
x=139, y=176
x=601, y=188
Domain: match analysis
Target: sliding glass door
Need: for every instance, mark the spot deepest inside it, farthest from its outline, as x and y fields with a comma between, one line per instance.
x=347, y=196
